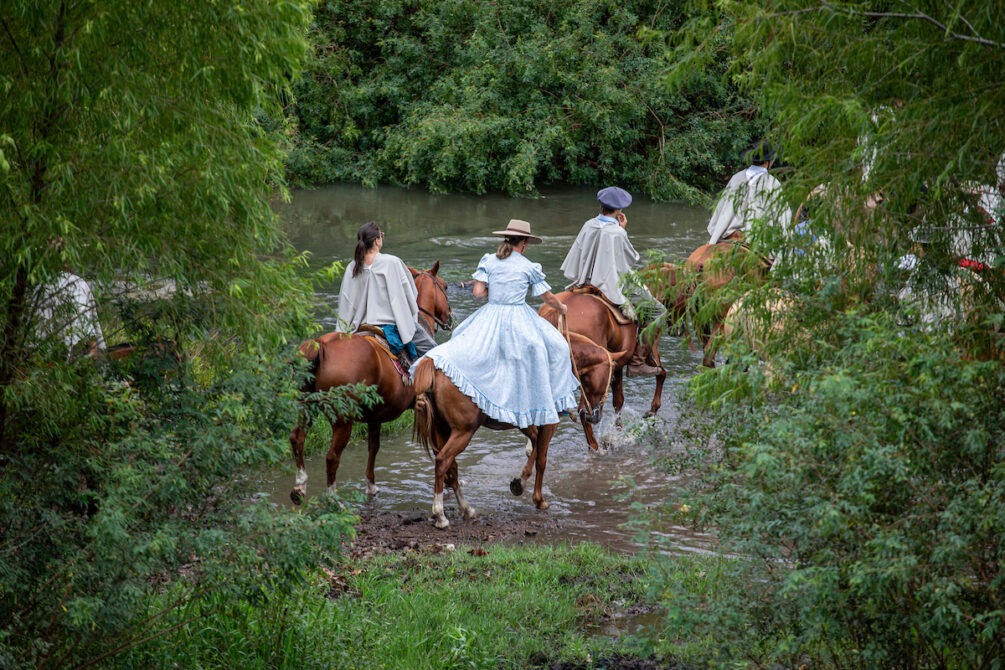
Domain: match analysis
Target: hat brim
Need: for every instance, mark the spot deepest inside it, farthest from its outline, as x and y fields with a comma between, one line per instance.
x=531, y=239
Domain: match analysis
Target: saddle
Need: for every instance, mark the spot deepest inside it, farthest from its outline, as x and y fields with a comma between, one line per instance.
x=590, y=289
x=376, y=336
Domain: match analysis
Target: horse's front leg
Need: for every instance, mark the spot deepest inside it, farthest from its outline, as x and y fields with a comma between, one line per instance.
x=591, y=439
x=341, y=432
x=660, y=378
x=544, y=435
x=517, y=485
x=372, y=447
x=445, y=463
x=297, y=437
x=618, y=394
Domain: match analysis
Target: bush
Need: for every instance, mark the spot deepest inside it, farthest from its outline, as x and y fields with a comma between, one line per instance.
x=475, y=97
x=864, y=487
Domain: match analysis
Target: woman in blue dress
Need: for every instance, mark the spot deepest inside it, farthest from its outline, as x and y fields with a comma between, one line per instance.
x=513, y=364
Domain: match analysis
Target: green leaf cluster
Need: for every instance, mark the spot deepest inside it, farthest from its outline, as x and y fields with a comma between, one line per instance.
x=133, y=155
x=470, y=96
x=856, y=462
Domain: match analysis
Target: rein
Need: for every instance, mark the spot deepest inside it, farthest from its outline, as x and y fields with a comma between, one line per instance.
x=563, y=327
x=443, y=325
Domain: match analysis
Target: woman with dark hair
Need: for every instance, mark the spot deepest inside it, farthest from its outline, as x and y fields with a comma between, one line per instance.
x=513, y=364
x=378, y=289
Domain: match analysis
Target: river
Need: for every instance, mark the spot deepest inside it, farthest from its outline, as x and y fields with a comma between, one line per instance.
x=590, y=494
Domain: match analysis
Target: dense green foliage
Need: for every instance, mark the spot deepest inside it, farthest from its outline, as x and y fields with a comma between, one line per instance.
x=469, y=96
x=859, y=442
x=501, y=608
x=129, y=153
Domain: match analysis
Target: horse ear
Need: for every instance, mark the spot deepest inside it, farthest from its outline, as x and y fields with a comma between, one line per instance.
x=436, y=268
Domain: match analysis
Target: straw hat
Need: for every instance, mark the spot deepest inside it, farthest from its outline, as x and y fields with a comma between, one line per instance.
x=518, y=228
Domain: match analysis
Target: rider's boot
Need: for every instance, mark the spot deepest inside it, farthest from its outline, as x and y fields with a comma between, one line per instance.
x=637, y=366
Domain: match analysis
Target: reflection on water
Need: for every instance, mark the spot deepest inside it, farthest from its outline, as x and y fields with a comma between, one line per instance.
x=589, y=494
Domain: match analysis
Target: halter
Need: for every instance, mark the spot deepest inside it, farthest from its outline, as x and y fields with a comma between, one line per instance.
x=563, y=327
x=443, y=325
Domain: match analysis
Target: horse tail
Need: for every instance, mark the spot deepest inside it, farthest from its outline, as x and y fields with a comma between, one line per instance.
x=312, y=350
x=422, y=383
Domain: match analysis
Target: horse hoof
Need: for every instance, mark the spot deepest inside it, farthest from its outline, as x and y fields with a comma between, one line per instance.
x=543, y=505
x=442, y=523
x=470, y=513
x=516, y=486
x=297, y=496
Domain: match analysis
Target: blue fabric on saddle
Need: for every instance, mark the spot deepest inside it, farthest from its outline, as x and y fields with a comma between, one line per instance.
x=395, y=344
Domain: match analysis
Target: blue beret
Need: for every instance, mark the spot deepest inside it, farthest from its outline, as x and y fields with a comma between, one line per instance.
x=614, y=197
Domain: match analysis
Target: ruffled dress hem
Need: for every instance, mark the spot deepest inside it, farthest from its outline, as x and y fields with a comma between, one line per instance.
x=533, y=417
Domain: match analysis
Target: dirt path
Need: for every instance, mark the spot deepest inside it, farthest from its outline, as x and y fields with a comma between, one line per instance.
x=380, y=532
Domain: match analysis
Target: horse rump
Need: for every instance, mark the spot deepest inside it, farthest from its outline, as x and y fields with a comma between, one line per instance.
x=311, y=350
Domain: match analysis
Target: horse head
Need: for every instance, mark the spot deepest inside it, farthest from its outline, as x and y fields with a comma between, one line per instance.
x=434, y=308
x=594, y=368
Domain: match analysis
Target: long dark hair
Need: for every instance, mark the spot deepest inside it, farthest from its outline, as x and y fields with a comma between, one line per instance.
x=366, y=237
x=506, y=246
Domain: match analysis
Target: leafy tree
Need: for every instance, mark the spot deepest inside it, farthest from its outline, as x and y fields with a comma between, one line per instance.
x=474, y=96
x=859, y=470
x=130, y=154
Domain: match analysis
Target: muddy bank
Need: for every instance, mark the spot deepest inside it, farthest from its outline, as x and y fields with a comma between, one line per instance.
x=381, y=532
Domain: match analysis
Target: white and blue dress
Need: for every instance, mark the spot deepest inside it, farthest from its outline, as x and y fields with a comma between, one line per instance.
x=512, y=363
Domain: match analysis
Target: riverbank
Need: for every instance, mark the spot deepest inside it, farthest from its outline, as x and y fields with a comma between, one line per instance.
x=484, y=606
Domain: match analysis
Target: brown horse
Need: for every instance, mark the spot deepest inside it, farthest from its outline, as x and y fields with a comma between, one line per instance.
x=339, y=359
x=592, y=316
x=446, y=420
x=719, y=273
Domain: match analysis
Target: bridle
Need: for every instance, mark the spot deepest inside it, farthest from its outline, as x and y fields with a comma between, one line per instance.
x=443, y=325
x=563, y=327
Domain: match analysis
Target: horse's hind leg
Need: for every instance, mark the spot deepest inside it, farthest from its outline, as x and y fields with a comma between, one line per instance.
x=297, y=437
x=445, y=463
x=340, y=437
x=453, y=480
x=544, y=435
x=373, y=446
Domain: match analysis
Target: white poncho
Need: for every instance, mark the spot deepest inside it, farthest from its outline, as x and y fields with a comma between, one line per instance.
x=599, y=256
x=383, y=293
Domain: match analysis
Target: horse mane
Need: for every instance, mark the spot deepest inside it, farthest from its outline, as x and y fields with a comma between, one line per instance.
x=422, y=384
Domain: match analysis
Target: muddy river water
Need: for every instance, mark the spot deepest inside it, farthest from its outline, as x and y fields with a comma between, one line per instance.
x=591, y=495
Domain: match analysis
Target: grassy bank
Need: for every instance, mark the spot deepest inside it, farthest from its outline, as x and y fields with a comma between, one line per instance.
x=499, y=607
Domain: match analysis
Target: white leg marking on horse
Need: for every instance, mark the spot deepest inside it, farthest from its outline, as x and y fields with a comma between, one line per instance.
x=441, y=520
x=333, y=488
x=301, y=477
x=467, y=510
x=529, y=448
x=371, y=488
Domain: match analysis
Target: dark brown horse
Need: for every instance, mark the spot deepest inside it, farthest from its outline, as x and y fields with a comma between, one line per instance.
x=340, y=359
x=446, y=420
x=592, y=316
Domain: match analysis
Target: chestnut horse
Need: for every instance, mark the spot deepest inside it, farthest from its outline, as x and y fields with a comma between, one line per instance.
x=717, y=272
x=446, y=420
x=340, y=359
x=590, y=315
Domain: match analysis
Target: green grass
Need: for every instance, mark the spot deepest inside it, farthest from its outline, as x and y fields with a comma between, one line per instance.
x=505, y=607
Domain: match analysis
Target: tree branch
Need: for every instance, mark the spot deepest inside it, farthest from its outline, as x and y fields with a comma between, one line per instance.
x=915, y=15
